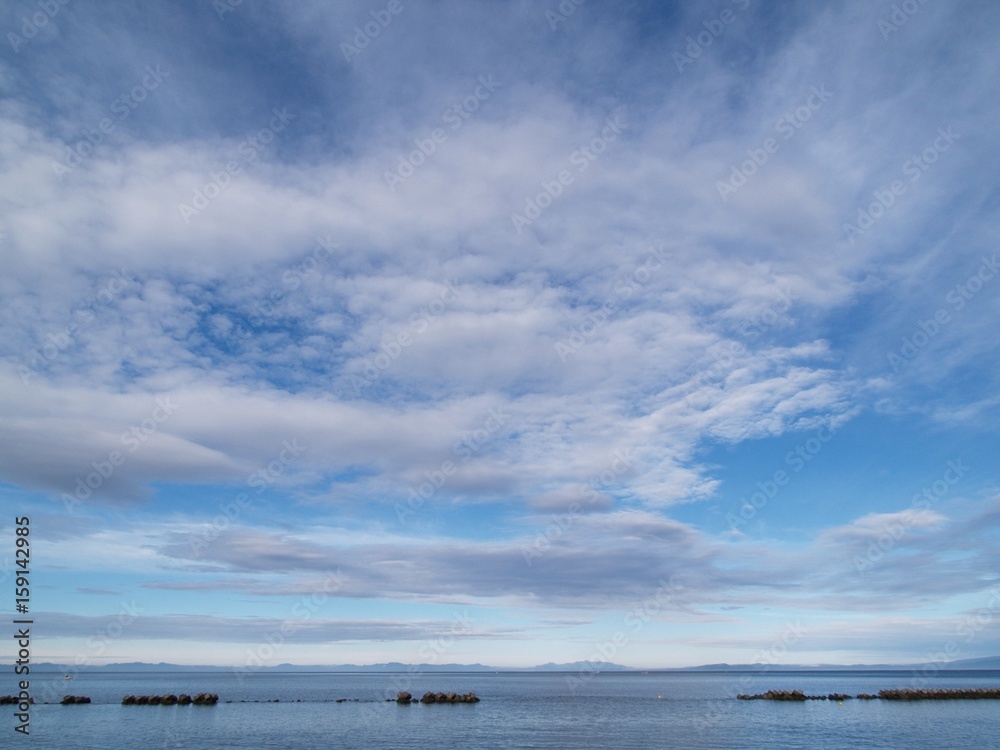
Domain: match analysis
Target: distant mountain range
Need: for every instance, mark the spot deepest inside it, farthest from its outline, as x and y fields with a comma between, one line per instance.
x=988, y=662
x=390, y=667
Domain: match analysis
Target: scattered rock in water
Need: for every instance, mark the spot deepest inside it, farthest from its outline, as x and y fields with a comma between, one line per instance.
x=69, y=700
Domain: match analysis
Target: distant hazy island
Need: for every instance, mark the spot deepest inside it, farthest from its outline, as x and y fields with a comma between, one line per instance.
x=988, y=662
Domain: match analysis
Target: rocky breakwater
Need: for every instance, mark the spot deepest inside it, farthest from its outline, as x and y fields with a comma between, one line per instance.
x=406, y=699
x=201, y=699
x=794, y=695
x=69, y=700
x=906, y=694
x=909, y=694
x=776, y=695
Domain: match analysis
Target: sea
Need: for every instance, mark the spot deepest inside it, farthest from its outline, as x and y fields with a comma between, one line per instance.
x=617, y=710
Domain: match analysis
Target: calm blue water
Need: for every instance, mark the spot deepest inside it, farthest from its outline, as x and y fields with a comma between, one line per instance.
x=538, y=710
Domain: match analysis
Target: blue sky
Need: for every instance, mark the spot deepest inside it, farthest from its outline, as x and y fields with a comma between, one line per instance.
x=502, y=332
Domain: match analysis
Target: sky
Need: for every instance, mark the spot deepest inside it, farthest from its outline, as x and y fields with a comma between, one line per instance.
x=501, y=332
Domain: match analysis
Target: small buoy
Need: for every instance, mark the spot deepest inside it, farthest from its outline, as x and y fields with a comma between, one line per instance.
x=840, y=703
x=659, y=697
